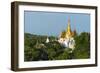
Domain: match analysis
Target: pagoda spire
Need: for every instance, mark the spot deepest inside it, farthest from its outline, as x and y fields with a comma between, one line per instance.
x=68, y=31
x=68, y=27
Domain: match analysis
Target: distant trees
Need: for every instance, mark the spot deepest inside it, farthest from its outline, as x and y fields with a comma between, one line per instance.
x=37, y=49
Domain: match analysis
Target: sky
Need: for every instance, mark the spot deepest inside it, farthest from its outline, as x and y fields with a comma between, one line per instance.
x=53, y=23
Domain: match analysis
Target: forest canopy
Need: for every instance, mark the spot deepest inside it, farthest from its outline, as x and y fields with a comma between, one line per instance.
x=37, y=49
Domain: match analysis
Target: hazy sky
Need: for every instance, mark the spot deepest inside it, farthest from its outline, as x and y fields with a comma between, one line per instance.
x=53, y=23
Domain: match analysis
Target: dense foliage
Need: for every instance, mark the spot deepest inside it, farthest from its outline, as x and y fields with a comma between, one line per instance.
x=37, y=49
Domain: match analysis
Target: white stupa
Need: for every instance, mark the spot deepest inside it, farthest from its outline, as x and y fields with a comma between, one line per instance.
x=47, y=40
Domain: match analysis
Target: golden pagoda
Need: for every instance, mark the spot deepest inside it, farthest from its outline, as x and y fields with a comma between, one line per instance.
x=67, y=37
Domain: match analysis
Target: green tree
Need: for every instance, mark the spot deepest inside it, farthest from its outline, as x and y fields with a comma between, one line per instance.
x=62, y=56
x=82, y=47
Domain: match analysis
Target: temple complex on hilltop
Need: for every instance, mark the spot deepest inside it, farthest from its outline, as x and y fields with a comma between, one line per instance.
x=66, y=37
